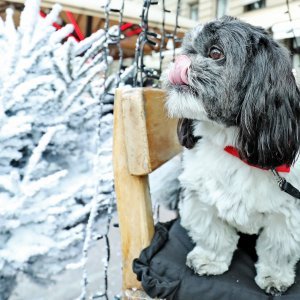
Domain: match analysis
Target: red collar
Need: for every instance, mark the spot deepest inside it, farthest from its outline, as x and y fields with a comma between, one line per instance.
x=233, y=151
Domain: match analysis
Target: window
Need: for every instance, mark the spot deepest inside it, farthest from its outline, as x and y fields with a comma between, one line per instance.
x=253, y=5
x=194, y=15
x=221, y=8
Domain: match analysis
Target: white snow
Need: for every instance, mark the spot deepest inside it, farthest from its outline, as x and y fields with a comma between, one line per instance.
x=48, y=143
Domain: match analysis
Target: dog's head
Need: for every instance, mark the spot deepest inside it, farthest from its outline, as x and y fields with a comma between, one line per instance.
x=235, y=74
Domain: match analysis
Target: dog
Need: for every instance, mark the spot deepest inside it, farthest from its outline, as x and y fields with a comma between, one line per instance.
x=233, y=88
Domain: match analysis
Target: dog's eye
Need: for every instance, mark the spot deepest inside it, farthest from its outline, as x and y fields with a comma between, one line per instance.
x=215, y=53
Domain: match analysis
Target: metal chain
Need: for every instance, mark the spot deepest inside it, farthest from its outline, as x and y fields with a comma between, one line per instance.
x=111, y=38
x=117, y=40
x=142, y=73
x=109, y=207
x=96, y=200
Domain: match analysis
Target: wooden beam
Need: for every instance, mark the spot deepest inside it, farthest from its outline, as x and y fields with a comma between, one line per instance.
x=132, y=12
x=133, y=202
x=89, y=26
x=150, y=135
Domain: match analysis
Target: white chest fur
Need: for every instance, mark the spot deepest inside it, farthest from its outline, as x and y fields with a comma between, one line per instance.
x=241, y=195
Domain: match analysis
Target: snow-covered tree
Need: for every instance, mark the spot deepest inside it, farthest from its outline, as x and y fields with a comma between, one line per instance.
x=50, y=88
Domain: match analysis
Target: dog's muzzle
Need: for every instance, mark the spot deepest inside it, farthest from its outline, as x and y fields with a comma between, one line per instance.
x=179, y=71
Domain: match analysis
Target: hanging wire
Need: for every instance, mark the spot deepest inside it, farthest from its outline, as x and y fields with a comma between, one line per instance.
x=117, y=40
x=140, y=43
x=142, y=73
x=97, y=196
x=163, y=36
x=111, y=38
x=145, y=37
x=109, y=213
x=110, y=204
x=175, y=38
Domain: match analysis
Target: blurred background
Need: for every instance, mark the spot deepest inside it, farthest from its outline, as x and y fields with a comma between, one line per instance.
x=60, y=63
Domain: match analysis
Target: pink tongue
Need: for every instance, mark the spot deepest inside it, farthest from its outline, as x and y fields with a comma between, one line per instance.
x=179, y=72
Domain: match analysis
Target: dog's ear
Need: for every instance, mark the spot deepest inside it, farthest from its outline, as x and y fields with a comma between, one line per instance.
x=269, y=133
x=185, y=133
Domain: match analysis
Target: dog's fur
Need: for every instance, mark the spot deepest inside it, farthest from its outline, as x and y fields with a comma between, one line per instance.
x=248, y=99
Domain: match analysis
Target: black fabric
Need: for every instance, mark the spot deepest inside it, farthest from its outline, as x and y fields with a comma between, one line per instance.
x=161, y=269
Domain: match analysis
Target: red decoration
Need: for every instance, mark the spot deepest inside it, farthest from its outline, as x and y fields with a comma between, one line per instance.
x=132, y=31
x=43, y=15
x=76, y=27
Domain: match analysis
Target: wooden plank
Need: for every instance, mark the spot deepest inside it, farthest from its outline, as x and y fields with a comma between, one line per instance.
x=133, y=202
x=161, y=130
x=96, y=9
x=135, y=131
x=150, y=135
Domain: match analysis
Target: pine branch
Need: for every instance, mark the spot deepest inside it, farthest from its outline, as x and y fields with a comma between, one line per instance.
x=38, y=151
x=29, y=19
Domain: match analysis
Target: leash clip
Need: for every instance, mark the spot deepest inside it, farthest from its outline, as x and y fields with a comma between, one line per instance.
x=285, y=186
x=280, y=180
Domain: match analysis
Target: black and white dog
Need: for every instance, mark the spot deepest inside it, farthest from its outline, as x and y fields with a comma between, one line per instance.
x=233, y=85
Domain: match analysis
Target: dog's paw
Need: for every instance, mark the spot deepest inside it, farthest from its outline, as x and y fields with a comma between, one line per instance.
x=273, y=285
x=204, y=265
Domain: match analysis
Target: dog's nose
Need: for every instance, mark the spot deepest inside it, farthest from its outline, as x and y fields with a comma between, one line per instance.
x=179, y=72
